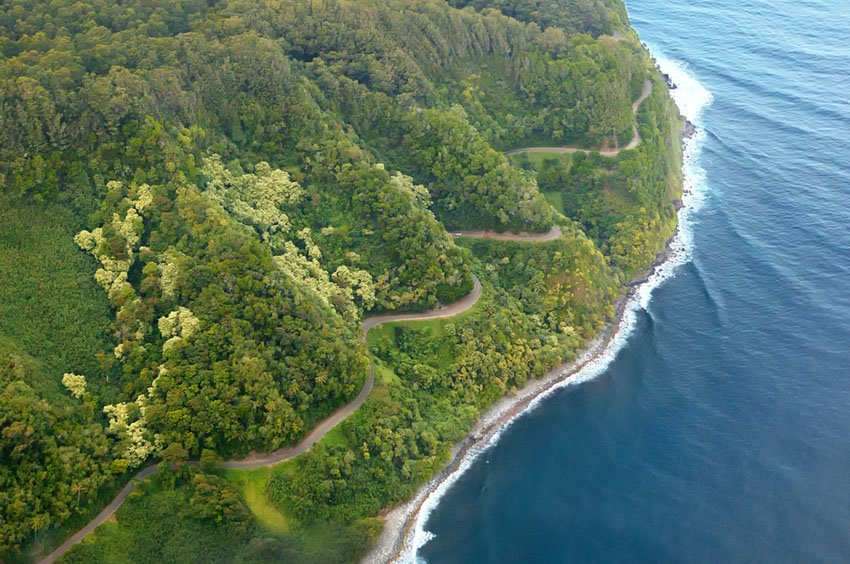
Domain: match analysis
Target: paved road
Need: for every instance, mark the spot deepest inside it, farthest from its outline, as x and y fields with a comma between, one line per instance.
x=101, y=517
x=282, y=454
x=551, y=235
x=342, y=413
x=647, y=90
x=269, y=459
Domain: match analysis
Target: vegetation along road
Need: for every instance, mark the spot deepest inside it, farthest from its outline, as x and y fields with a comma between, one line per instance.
x=551, y=235
x=315, y=435
x=647, y=90
x=318, y=432
x=341, y=414
x=199, y=211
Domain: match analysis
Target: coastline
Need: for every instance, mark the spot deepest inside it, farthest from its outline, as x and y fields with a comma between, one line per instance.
x=255, y=460
x=403, y=529
x=397, y=535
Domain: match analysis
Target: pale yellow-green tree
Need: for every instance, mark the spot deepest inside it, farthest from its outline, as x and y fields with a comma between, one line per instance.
x=75, y=383
x=130, y=328
x=128, y=426
x=257, y=198
x=178, y=325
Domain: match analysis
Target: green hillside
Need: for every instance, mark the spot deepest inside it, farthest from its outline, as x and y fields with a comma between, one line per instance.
x=201, y=201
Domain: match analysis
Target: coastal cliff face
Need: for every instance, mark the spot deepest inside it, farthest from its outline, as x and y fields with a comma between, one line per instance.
x=201, y=202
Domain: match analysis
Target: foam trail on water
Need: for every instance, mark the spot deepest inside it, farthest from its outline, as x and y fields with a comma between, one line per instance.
x=691, y=97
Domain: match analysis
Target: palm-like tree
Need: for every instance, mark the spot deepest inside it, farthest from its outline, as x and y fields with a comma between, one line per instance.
x=78, y=489
x=40, y=522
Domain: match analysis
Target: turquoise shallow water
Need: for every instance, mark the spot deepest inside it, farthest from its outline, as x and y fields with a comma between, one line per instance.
x=721, y=430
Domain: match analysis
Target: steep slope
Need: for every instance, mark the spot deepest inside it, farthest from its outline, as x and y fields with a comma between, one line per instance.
x=237, y=184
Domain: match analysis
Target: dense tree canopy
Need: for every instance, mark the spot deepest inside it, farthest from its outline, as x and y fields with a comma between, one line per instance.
x=200, y=201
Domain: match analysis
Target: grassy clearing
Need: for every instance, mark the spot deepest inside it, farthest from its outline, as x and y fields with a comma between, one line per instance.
x=252, y=484
x=539, y=161
x=335, y=437
x=385, y=332
x=384, y=377
x=556, y=200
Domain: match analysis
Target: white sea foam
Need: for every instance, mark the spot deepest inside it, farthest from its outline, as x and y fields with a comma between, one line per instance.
x=691, y=98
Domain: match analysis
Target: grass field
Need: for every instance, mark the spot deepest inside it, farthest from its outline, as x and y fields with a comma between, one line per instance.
x=252, y=484
x=556, y=200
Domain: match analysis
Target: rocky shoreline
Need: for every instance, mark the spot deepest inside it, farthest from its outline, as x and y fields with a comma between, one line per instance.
x=400, y=521
x=689, y=129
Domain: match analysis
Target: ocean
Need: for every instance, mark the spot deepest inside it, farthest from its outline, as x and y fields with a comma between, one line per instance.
x=717, y=427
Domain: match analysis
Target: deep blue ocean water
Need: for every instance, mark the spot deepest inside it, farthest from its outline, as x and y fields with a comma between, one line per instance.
x=721, y=430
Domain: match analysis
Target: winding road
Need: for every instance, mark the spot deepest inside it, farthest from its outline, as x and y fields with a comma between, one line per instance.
x=319, y=431
x=647, y=90
x=551, y=235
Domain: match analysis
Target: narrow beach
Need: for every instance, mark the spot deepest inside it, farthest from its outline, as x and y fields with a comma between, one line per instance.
x=403, y=534
x=398, y=538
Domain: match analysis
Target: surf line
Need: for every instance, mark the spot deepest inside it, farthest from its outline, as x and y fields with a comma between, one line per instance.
x=407, y=522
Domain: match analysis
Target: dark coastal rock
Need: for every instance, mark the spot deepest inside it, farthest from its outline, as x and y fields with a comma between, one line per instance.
x=670, y=84
x=689, y=131
x=677, y=203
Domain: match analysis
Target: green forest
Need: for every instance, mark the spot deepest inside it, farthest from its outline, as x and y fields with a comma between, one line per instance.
x=201, y=200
